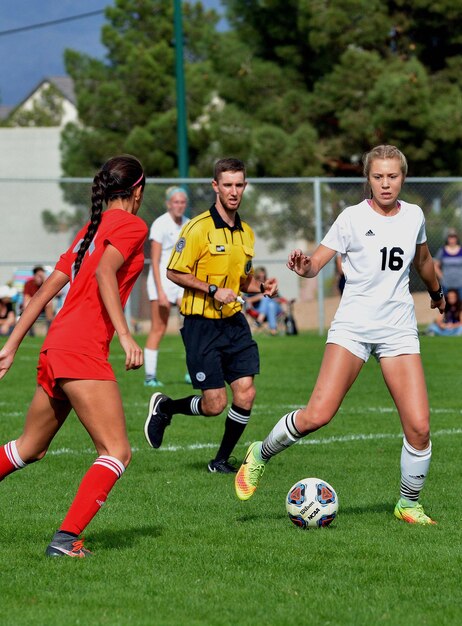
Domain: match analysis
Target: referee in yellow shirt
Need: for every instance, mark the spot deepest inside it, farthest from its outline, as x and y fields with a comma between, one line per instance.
x=212, y=261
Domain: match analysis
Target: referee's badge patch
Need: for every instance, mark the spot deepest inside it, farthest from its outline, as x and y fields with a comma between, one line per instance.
x=200, y=376
x=180, y=244
x=248, y=267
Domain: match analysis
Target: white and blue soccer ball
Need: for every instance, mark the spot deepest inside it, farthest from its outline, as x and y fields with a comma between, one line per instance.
x=312, y=503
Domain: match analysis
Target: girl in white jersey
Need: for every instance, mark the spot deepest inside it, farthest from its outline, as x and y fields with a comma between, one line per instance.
x=378, y=240
x=162, y=292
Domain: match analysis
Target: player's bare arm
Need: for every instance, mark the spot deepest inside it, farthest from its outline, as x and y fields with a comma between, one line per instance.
x=438, y=268
x=425, y=267
x=106, y=276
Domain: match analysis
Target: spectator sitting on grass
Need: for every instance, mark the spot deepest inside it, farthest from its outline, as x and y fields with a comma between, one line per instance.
x=450, y=324
x=267, y=309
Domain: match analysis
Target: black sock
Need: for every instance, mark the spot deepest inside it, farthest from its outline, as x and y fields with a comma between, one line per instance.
x=186, y=406
x=235, y=423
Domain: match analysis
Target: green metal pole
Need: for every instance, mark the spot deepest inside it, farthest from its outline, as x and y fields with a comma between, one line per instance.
x=182, y=132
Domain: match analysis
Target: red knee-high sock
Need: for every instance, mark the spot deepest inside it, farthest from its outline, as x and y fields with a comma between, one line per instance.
x=10, y=461
x=92, y=493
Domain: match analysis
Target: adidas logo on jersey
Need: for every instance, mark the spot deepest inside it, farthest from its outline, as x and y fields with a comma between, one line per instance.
x=370, y=233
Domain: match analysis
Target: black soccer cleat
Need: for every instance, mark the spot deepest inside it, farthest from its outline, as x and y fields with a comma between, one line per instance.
x=221, y=466
x=157, y=421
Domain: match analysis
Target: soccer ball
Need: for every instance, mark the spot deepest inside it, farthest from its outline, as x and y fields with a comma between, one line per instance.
x=312, y=503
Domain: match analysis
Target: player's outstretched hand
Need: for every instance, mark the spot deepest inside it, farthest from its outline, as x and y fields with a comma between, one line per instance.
x=6, y=361
x=133, y=353
x=299, y=262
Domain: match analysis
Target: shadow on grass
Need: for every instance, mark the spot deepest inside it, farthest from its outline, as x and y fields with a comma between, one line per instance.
x=201, y=466
x=122, y=539
x=377, y=508
x=373, y=507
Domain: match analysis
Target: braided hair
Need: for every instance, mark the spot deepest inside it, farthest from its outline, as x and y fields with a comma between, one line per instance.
x=116, y=179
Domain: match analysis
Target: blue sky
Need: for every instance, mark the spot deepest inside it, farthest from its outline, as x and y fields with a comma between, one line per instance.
x=30, y=56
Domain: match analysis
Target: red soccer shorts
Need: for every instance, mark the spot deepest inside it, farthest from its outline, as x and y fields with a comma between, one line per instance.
x=56, y=364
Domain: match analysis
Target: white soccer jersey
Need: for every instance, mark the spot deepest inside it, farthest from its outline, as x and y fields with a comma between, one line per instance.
x=377, y=252
x=165, y=230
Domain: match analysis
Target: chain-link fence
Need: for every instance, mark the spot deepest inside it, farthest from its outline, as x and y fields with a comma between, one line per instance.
x=40, y=217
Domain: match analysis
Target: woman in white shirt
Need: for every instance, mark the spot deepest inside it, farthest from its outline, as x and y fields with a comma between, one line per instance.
x=378, y=240
x=162, y=292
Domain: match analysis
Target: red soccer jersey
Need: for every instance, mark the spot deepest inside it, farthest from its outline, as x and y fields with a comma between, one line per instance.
x=83, y=324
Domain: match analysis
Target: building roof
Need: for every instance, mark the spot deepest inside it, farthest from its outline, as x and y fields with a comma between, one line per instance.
x=65, y=87
x=64, y=84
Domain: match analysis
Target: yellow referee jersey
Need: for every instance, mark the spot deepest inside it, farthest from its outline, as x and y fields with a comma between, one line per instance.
x=217, y=254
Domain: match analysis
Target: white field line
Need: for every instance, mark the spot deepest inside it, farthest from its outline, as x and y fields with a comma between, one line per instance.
x=274, y=409
x=279, y=409
x=310, y=441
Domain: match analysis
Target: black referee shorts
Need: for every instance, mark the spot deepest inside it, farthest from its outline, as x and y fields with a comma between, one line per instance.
x=219, y=351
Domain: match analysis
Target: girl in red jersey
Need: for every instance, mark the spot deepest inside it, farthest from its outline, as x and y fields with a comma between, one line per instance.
x=101, y=265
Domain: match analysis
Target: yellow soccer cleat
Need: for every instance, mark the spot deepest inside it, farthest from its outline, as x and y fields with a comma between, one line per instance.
x=249, y=474
x=412, y=514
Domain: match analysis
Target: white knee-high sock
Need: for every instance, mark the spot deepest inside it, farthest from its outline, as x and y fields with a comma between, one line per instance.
x=414, y=469
x=150, y=362
x=283, y=435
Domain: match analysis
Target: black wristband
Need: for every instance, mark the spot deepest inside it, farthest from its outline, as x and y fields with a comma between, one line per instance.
x=262, y=288
x=436, y=295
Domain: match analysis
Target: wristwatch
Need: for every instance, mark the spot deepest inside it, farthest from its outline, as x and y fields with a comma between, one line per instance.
x=212, y=290
x=437, y=295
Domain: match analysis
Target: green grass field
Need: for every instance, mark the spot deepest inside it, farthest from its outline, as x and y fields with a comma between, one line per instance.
x=174, y=546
